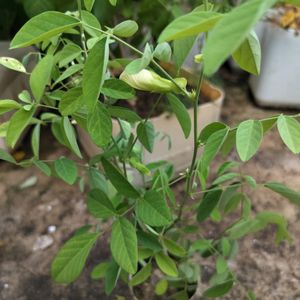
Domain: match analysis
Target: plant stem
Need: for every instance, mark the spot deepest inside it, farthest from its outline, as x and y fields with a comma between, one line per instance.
x=189, y=183
x=82, y=35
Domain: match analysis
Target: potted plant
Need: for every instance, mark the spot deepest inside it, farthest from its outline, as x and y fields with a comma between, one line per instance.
x=154, y=235
x=277, y=84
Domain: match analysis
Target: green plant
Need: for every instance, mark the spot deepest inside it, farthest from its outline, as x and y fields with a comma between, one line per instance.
x=149, y=228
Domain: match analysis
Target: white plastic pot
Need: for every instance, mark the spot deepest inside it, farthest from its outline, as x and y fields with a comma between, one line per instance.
x=279, y=81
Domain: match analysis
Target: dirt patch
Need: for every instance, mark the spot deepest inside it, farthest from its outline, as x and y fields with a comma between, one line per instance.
x=27, y=214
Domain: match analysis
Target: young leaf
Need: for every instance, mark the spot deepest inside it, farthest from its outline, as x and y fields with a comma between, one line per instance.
x=68, y=54
x=111, y=277
x=99, y=271
x=225, y=177
x=42, y=166
x=208, y=204
x=91, y=25
x=181, y=49
x=99, y=204
x=174, y=248
x=66, y=170
x=124, y=245
x=39, y=29
x=89, y=4
x=231, y=31
x=146, y=135
x=117, y=89
x=124, y=114
x=68, y=73
x=219, y=290
x=163, y=52
x=248, y=55
x=119, y=181
x=97, y=180
x=284, y=191
x=71, y=136
x=99, y=125
x=166, y=264
x=7, y=105
x=248, y=138
x=289, y=130
x=213, y=146
x=161, y=287
x=71, y=101
x=13, y=64
x=181, y=113
x=6, y=156
x=141, y=276
x=35, y=140
x=18, y=122
x=126, y=29
x=93, y=73
x=189, y=25
x=153, y=210
x=71, y=258
x=40, y=76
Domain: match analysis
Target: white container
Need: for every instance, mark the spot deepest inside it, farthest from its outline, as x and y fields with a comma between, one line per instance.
x=278, y=84
x=180, y=153
x=11, y=83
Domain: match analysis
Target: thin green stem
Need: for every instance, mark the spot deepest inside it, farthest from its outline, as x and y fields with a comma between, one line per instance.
x=82, y=35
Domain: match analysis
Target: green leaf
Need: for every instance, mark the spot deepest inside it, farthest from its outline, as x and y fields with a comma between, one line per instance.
x=7, y=157
x=181, y=113
x=71, y=136
x=94, y=72
x=124, y=245
x=174, y=248
x=117, y=89
x=39, y=29
x=148, y=241
x=88, y=21
x=70, y=260
x=284, y=191
x=227, y=166
x=66, y=170
x=161, y=287
x=71, y=101
x=289, y=130
x=68, y=54
x=119, y=181
x=13, y=64
x=99, y=125
x=248, y=55
x=189, y=25
x=111, y=277
x=89, y=4
x=40, y=76
x=245, y=227
x=7, y=105
x=42, y=166
x=68, y=73
x=213, y=146
x=141, y=276
x=126, y=29
x=181, y=49
x=99, y=271
x=97, y=180
x=99, y=204
x=146, y=135
x=35, y=140
x=153, y=210
x=124, y=114
x=163, y=52
x=225, y=177
x=218, y=290
x=18, y=122
x=248, y=139
x=166, y=264
x=208, y=204
x=231, y=31
x=113, y=2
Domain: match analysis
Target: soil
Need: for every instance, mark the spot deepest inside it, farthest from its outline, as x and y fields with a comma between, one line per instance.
x=27, y=214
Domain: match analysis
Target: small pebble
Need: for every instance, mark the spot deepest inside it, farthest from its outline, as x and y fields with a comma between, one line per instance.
x=51, y=229
x=42, y=242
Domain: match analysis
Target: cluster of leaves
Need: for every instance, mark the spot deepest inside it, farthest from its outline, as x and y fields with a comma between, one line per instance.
x=75, y=79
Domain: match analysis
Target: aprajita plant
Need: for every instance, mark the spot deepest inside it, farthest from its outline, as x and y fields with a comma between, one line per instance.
x=153, y=233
